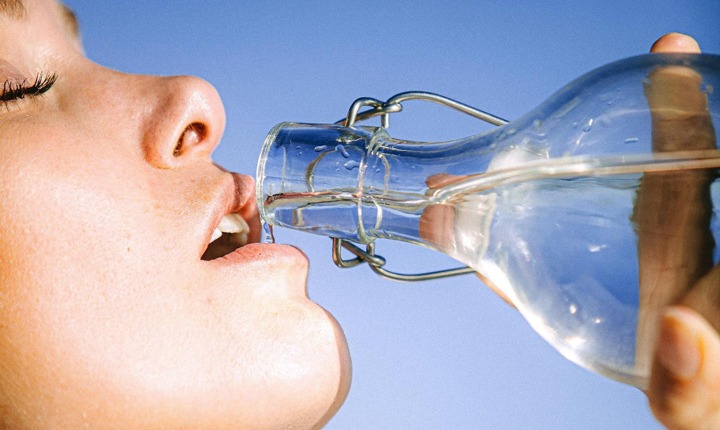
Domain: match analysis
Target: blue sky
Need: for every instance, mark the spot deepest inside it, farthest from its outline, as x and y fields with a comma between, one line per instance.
x=442, y=354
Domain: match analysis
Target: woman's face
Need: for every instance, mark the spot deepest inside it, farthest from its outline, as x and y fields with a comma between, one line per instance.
x=109, y=317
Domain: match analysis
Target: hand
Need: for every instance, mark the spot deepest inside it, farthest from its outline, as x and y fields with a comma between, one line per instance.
x=437, y=224
x=678, y=283
x=684, y=387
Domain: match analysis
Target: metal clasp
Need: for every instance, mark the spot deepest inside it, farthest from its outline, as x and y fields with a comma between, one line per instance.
x=384, y=109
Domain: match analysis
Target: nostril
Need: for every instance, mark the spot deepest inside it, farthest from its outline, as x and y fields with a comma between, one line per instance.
x=193, y=134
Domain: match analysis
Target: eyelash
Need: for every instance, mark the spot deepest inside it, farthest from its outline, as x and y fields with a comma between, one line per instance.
x=16, y=90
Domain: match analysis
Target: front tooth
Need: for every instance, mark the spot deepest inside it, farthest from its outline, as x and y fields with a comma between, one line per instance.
x=215, y=234
x=233, y=223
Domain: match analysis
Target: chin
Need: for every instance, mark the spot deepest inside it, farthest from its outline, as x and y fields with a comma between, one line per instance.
x=308, y=371
x=344, y=373
x=293, y=360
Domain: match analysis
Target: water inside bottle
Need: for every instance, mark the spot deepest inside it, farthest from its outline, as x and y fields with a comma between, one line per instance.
x=564, y=247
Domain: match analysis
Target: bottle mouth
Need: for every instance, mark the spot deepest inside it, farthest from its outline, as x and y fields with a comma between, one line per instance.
x=304, y=168
x=260, y=176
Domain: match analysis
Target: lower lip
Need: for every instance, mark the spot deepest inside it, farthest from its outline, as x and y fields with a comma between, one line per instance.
x=270, y=253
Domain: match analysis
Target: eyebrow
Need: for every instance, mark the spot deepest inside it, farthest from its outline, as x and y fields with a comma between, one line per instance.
x=12, y=8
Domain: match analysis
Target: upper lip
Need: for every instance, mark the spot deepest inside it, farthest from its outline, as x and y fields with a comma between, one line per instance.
x=236, y=196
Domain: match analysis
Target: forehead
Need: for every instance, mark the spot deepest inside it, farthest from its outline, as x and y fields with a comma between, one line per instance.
x=16, y=9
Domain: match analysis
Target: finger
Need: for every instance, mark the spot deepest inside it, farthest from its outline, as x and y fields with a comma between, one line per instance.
x=490, y=284
x=673, y=209
x=684, y=389
x=677, y=102
x=676, y=42
x=443, y=179
x=437, y=226
x=704, y=297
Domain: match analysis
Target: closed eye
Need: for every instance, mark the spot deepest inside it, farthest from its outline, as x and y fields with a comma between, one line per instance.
x=15, y=90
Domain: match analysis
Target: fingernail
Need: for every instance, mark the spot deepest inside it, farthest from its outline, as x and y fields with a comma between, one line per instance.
x=678, y=345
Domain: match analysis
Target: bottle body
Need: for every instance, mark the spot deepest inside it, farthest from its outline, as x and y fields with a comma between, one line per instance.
x=566, y=210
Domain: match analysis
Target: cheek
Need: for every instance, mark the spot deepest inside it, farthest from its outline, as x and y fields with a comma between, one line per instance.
x=67, y=220
x=80, y=225
x=99, y=317
x=80, y=282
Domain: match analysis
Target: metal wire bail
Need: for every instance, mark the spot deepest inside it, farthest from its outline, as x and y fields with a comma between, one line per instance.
x=384, y=109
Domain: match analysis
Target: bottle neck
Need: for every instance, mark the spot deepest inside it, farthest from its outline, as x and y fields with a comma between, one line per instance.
x=360, y=184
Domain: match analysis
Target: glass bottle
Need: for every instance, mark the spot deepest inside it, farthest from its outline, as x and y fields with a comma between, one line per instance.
x=590, y=213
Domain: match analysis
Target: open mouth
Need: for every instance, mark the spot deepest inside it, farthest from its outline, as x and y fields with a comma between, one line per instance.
x=230, y=234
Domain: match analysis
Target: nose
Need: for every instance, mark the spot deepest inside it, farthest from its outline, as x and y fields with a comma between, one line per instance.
x=183, y=120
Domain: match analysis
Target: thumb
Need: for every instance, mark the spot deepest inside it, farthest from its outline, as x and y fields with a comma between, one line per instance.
x=684, y=389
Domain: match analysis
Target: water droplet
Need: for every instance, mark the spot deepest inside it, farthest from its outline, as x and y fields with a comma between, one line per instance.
x=632, y=140
x=269, y=233
x=596, y=248
x=320, y=148
x=707, y=89
x=537, y=123
x=589, y=125
x=341, y=149
x=351, y=164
